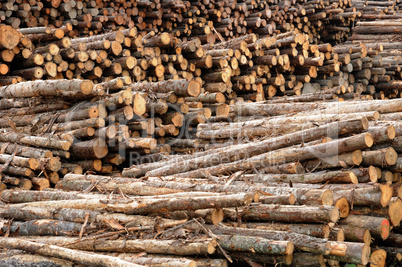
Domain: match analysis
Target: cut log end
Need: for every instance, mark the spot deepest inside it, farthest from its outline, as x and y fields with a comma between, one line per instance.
x=378, y=258
x=9, y=37
x=365, y=254
x=86, y=87
x=369, y=140
x=292, y=199
x=391, y=156
x=194, y=88
x=327, y=198
x=334, y=215
x=344, y=208
x=289, y=248
x=385, y=229
x=386, y=194
x=394, y=212
x=367, y=237
x=100, y=148
x=353, y=178
x=217, y=216
x=357, y=157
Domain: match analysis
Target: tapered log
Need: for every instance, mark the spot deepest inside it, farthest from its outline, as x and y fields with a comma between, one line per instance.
x=35, y=141
x=318, y=177
x=179, y=87
x=42, y=228
x=49, y=88
x=92, y=149
x=9, y=37
x=63, y=253
x=319, y=231
x=152, y=246
x=256, y=148
x=284, y=155
x=358, y=253
x=348, y=159
x=194, y=204
x=255, y=244
x=377, y=226
x=72, y=182
x=288, y=213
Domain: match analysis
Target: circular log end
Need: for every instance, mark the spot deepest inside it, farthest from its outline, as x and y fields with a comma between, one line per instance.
x=93, y=112
x=292, y=199
x=385, y=229
x=369, y=140
x=38, y=59
x=116, y=48
x=101, y=122
x=165, y=38
x=66, y=145
x=97, y=164
x=256, y=197
x=340, y=235
x=394, y=212
x=9, y=37
x=335, y=214
x=86, y=87
x=365, y=122
x=374, y=175
x=376, y=115
x=33, y=164
x=54, y=164
x=248, y=198
x=194, y=88
x=344, y=208
x=357, y=157
x=152, y=143
x=100, y=148
x=211, y=247
x=220, y=98
x=353, y=178
x=289, y=248
x=378, y=258
x=365, y=254
x=38, y=73
x=391, y=156
x=386, y=194
x=327, y=198
x=217, y=216
x=367, y=237
x=48, y=154
x=326, y=230
x=391, y=132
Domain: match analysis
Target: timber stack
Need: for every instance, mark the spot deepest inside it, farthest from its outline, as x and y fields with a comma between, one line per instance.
x=201, y=133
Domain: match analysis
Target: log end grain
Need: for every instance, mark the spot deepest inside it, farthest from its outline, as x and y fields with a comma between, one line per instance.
x=194, y=88
x=357, y=157
x=289, y=248
x=9, y=37
x=353, y=178
x=334, y=215
x=395, y=212
x=386, y=194
x=377, y=258
x=139, y=104
x=391, y=156
x=369, y=140
x=86, y=87
x=327, y=198
x=344, y=207
x=217, y=216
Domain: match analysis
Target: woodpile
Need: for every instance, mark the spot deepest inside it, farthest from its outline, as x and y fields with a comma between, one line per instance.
x=200, y=133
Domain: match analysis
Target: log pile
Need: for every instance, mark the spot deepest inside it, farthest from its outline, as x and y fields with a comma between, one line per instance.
x=200, y=133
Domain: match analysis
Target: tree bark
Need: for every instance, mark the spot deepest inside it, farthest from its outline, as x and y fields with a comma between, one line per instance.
x=62, y=253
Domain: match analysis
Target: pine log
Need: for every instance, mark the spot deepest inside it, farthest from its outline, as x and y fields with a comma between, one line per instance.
x=63, y=253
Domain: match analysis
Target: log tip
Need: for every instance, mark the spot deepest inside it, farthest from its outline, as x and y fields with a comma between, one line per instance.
x=9, y=37
x=327, y=198
x=369, y=140
x=334, y=215
x=194, y=88
x=86, y=87
x=365, y=255
x=378, y=258
x=386, y=194
x=344, y=207
x=217, y=216
x=289, y=248
x=292, y=199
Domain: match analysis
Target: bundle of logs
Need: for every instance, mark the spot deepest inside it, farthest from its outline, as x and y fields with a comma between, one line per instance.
x=134, y=124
